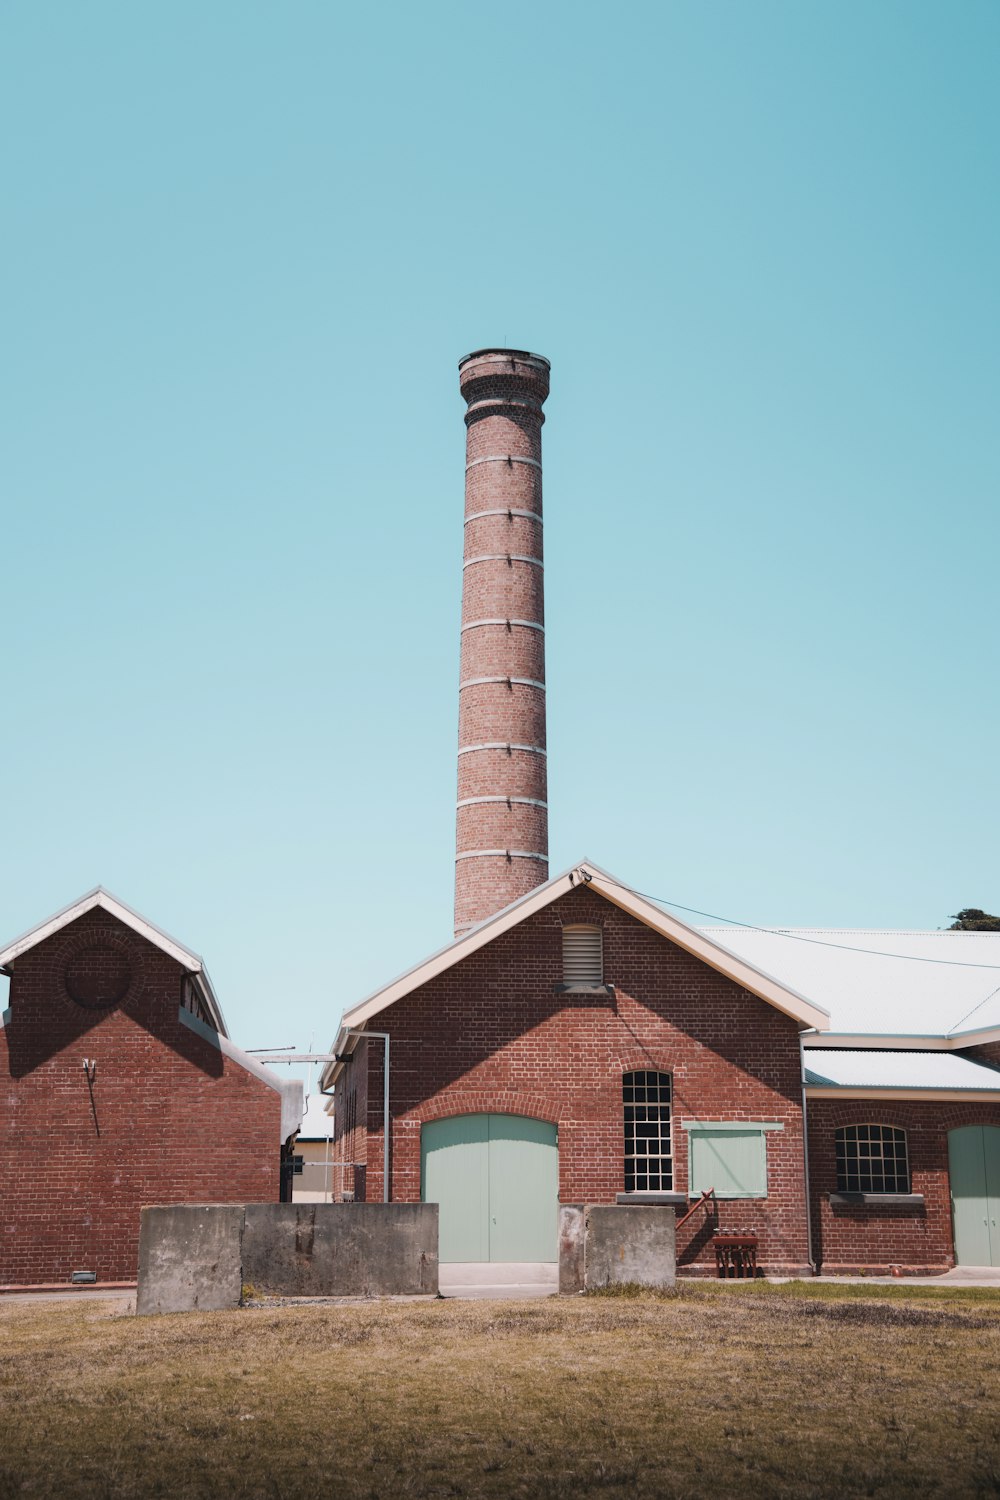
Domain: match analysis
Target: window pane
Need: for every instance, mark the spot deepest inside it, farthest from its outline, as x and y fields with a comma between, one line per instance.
x=648, y=1166
x=872, y=1159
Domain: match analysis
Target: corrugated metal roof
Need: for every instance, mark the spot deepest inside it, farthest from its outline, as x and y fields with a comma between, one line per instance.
x=844, y=1068
x=904, y=983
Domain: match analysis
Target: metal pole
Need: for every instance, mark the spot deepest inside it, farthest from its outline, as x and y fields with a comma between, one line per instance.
x=805, y=1157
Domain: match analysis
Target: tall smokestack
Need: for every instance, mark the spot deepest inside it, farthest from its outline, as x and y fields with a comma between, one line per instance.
x=503, y=832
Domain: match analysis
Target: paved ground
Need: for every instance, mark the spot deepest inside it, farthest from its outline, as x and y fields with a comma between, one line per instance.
x=126, y=1300
x=482, y=1280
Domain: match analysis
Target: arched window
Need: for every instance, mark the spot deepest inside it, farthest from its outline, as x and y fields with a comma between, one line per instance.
x=872, y=1159
x=649, y=1166
x=583, y=954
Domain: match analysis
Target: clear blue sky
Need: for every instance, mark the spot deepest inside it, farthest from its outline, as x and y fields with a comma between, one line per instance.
x=244, y=247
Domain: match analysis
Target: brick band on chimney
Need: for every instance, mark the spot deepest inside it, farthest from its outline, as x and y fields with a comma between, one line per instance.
x=502, y=842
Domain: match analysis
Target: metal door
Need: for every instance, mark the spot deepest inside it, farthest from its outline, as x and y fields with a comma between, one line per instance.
x=496, y=1181
x=974, y=1168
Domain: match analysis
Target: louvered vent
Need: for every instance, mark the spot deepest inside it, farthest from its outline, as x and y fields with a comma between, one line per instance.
x=583, y=955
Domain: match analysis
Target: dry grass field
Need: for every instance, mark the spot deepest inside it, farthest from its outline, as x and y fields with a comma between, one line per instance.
x=718, y=1391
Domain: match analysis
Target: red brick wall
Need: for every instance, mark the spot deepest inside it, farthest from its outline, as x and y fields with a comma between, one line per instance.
x=988, y=1052
x=172, y=1120
x=492, y=1034
x=854, y=1239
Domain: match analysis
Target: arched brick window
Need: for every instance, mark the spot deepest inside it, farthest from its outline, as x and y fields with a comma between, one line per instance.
x=649, y=1166
x=872, y=1159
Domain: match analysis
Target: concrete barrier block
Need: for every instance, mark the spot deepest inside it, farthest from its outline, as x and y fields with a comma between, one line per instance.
x=625, y=1244
x=189, y=1258
x=341, y=1249
x=572, y=1225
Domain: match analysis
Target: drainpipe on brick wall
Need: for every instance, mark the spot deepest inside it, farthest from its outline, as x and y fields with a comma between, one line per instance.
x=382, y=1036
x=805, y=1157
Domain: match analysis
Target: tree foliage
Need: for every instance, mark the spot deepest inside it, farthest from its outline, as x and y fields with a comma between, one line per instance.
x=971, y=919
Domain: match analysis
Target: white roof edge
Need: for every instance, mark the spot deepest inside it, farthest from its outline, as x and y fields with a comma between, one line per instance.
x=691, y=939
x=893, y=1041
x=99, y=897
x=976, y=1038
x=901, y=1091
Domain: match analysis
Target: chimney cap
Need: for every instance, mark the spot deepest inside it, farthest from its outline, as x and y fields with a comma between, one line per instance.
x=505, y=354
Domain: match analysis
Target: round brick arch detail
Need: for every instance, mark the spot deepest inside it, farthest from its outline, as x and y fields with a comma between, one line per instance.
x=70, y=954
x=503, y=1102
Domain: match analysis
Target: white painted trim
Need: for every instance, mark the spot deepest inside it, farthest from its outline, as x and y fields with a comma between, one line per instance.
x=741, y=1125
x=929, y=1096
x=516, y=681
x=502, y=458
x=978, y=1038
x=505, y=510
x=502, y=745
x=527, y=624
x=507, y=557
x=502, y=401
x=473, y=801
x=502, y=854
x=870, y=1041
x=791, y=1004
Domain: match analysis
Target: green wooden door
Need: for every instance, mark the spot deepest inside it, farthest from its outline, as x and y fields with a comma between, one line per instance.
x=496, y=1180
x=974, y=1168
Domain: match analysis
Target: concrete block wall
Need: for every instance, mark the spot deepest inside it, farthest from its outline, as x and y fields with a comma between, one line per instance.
x=601, y=1245
x=200, y=1257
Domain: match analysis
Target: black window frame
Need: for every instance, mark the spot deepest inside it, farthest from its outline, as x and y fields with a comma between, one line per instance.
x=647, y=1109
x=872, y=1158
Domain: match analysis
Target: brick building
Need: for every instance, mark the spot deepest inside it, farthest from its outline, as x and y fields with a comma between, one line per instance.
x=119, y=1087
x=839, y=1092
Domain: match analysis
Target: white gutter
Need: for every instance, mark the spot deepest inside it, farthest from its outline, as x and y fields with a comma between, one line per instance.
x=861, y=1041
x=805, y=1157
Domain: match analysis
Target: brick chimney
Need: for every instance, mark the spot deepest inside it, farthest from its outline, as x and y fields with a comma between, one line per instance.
x=502, y=846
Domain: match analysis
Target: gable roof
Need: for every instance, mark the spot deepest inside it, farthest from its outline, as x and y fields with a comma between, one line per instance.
x=99, y=897
x=940, y=984
x=691, y=939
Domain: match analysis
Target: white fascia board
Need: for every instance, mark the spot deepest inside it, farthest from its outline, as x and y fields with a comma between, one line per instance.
x=342, y=1048
x=923, y=1096
x=102, y=898
x=957, y=1041
x=689, y=938
x=859, y=1041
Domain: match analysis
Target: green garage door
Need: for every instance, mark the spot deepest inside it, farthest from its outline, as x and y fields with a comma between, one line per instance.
x=496, y=1179
x=974, y=1168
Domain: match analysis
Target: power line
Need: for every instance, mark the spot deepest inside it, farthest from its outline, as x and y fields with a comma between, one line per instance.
x=798, y=937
